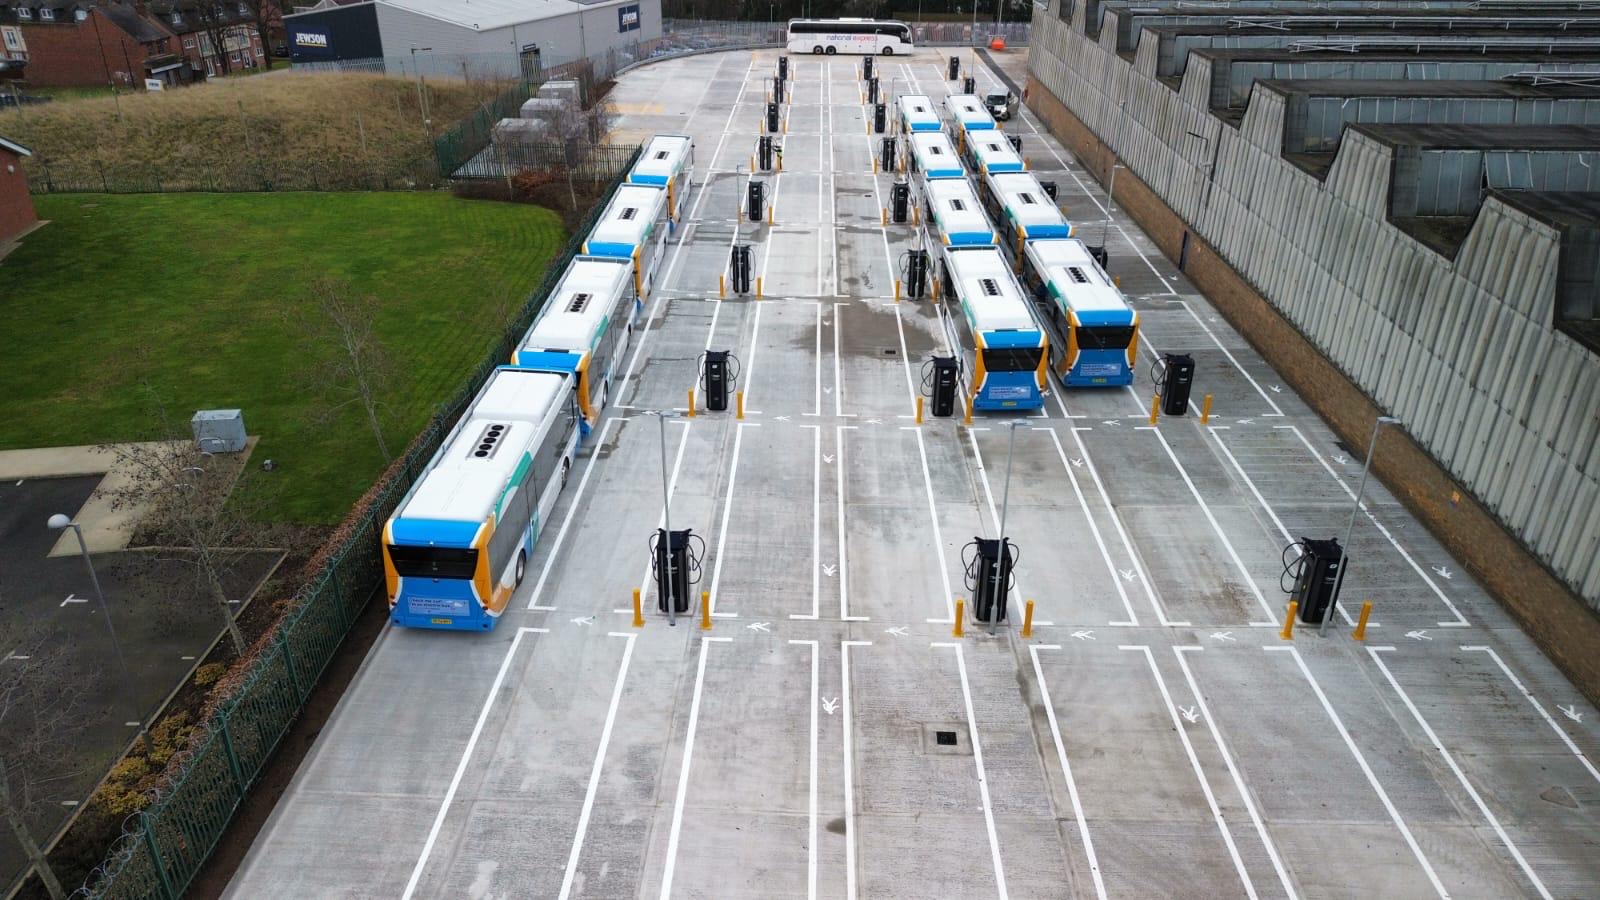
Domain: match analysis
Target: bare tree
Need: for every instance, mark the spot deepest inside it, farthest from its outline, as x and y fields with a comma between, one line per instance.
x=215, y=25
x=350, y=365
x=263, y=14
x=41, y=716
x=188, y=514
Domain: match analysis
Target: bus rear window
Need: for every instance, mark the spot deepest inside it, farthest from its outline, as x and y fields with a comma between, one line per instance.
x=1105, y=337
x=433, y=562
x=1012, y=359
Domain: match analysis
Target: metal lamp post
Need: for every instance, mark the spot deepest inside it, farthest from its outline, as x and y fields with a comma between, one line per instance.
x=1349, y=529
x=56, y=523
x=1005, y=503
x=666, y=511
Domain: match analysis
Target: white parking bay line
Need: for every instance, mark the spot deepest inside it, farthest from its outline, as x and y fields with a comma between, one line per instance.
x=977, y=760
x=599, y=763
x=466, y=757
x=849, y=768
x=683, y=771
x=1539, y=708
x=811, y=840
x=1066, y=769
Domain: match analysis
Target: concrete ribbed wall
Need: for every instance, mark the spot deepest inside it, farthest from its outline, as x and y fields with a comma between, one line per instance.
x=1462, y=350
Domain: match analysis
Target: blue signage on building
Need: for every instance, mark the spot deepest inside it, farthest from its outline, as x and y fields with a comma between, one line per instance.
x=628, y=18
x=310, y=41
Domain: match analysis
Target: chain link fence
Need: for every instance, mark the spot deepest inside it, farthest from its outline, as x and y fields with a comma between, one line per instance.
x=163, y=847
x=238, y=175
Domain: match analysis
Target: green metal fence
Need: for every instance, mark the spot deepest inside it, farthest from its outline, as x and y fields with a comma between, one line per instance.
x=164, y=846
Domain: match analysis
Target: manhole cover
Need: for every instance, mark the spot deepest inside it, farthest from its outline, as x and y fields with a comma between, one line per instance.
x=945, y=738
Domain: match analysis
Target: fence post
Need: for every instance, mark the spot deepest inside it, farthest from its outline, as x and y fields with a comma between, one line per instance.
x=288, y=663
x=154, y=850
x=233, y=757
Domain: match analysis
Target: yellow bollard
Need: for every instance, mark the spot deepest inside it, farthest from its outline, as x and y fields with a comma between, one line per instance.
x=1288, y=622
x=897, y=290
x=722, y=285
x=758, y=287
x=916, y=215
x=705, y=610
x=961, y=613
x=739, y=396
x=874, y=165
x=1205, y=410
x=1360, y=633
x=780, y=155
x=638, y=610
x=752, y=162
x=968, y=419
x=771, y=213
x=1117, y=281
x=883, y=216
x=919, y=409
x=691, y=403
x=1027, y=620
x=1155, y=407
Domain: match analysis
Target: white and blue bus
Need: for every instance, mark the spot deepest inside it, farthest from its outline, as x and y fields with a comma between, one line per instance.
x=864, y=36
x=990, y=153
x=1097, y=334
x=667, y=161
x=584, y=330
x=967, y=115
x=932, y=156
x=634, y=226
x=1003, y=350
x=459, y=543
x=1022, y=211
x=917, y=114
x=955, y=215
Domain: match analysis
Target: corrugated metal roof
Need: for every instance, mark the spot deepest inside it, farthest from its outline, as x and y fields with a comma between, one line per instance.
x=482, y=15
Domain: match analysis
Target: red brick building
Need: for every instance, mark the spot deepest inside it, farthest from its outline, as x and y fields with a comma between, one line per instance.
x=16, y=206
x=219, y=36
x=77, y=44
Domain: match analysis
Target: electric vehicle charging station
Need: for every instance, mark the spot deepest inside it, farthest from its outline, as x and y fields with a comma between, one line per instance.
x=777, y=90
x=886, y=154
x=756, y=200
x=880, y=117
x=916, y=273
x=872, y=90
x=941, y=377
x=783, y=68
x=764, y=152
x=1317, y=577
x=1174, y=378
x=772, y=118
x=969, y=85
x=900, y=201
x=990, y=562
x=1049, y=189
x=739, y=268
x=955, y=68
x=675, y=568
x=866, y=69
x=719, y=371
x=1016, y=143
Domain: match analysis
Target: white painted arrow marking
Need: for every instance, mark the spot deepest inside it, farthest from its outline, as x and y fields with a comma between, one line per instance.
x=1127, y=574
x=874, y=421
x=829, y=704
x=897, y=631
x=1571, y=712
x=73, y=598
x=1275, y=389
x=827, y=390
x=1077, y=463
x=1084, y=635
x=1111, y=422
x=1442, y=571
x=783, y=418
x=1341, y=459
x=1245, y=421
x=1189, y=714
x=830, y=571
x=827, y=458
x=1420, y=634
x=583, y=620
x=1223, y=635
x=763, y=627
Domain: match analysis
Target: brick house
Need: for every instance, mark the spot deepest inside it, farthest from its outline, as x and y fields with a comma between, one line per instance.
x=16, y=206
x=219, y=36
x=63, y=43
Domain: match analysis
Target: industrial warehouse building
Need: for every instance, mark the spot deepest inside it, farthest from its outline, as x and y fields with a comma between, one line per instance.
x=484, y=36
x=1409, y=192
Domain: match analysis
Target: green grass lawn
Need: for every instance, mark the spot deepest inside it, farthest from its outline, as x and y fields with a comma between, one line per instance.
x=188, y=293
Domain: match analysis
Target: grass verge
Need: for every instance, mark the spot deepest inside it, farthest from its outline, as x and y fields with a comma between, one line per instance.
x=196, y=297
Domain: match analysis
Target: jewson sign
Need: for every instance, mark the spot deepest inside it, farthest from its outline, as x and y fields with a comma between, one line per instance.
x=628, y=18
x=313, y=39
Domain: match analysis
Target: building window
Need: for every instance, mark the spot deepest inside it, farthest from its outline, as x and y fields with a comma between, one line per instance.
x=79, y=15
x=24, y=13
x=244, y=10
x=188, y=43
x=47, y=14
x=13, y=39
x=177, y=17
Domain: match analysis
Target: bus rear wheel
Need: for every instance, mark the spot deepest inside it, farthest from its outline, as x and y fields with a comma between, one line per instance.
x=522, y=565
x=829, y=51
x=888, y=51
x=817, y=50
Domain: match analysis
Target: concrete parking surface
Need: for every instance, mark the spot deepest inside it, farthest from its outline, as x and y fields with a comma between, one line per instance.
x=829, y=736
